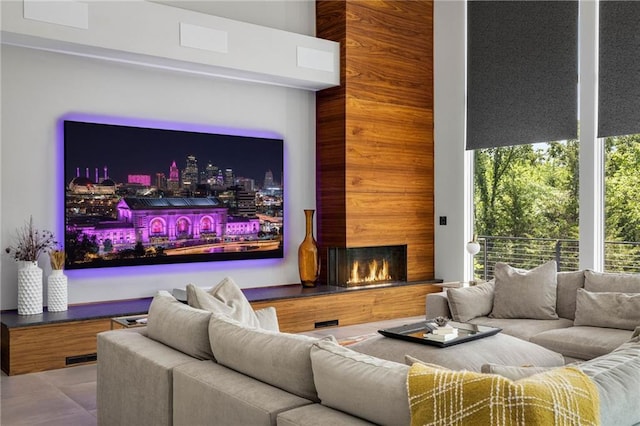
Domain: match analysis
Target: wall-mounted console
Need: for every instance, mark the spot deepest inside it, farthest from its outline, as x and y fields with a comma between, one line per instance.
x=47, y=341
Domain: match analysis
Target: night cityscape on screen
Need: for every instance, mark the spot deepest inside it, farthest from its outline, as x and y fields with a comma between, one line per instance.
x=140, y=195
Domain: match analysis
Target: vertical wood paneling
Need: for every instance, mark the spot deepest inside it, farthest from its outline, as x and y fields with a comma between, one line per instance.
x=46, y=347
x=375, y=131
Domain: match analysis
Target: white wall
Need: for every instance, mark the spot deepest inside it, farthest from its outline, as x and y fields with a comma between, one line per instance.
x=38, y=87
x=451, y=175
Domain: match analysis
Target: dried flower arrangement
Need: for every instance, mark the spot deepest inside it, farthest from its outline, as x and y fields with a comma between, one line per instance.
x=31, y=243
x=56, y=257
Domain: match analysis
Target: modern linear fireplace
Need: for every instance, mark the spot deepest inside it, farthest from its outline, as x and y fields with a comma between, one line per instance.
x=366, y=266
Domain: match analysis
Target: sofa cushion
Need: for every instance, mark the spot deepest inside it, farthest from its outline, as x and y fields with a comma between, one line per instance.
x=179, y=326
x=617, y=376
x=525, y=294
x=568, y=285
x=608, y=309
x=523, y=329
x=279, y=359
x=318, y=415
x=352, y=382
x=225, y=298
x=470, y=302
x=607, y=281
x=582, y=342
x=206, y=393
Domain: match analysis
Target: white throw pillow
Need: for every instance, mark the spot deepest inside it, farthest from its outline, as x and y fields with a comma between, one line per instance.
x=225, y=298
x=525, y=294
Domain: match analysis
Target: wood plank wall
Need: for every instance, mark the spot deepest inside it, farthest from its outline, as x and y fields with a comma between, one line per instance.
x=374, y=133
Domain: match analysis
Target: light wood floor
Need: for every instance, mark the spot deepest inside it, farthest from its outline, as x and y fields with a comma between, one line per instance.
x=68, y=396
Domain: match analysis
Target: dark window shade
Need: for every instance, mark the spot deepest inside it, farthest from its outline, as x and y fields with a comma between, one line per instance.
x=522, y=72
x=619, y=68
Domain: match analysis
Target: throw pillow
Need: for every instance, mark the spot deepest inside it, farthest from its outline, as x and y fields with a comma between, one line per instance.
x=225, y=298
x=607, y=309
x=268, y=318
x=280, y=359
x=525, y=294
x=468, y=303
x=512, y=372
x=568, y=284
x=563, y=395
x=365, y=386
x=179, y=326
x=608, y=281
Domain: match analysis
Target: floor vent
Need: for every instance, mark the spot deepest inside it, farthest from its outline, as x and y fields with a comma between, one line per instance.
x=79, y=359
x=330, y=323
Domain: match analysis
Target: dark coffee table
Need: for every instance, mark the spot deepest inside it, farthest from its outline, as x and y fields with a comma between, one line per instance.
x=415, y=333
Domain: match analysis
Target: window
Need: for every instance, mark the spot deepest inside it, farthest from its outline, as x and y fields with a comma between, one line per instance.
x=526, y=205
x=622, y=204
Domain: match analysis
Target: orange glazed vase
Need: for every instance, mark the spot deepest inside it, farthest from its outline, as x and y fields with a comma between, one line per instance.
x=308, y=257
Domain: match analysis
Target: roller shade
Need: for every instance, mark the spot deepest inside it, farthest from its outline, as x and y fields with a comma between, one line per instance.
x=619, y=68
x=522, y=72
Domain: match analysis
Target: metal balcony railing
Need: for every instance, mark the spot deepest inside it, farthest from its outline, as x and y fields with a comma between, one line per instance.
x=527, y=253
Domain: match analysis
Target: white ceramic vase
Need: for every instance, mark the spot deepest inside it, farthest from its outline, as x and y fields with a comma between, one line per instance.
x=57, y=296
x=29, y=289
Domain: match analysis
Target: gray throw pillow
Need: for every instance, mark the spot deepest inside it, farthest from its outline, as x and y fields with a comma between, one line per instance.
x=525, y=294
x=468, y=303
x=568, y=284
x=608, y=309
x=608, y=281
x=179, y=326
x=512, y=372
x=282, y=360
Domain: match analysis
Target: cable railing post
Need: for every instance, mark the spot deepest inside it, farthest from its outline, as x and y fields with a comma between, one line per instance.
x=558, y=256
x=485, y=259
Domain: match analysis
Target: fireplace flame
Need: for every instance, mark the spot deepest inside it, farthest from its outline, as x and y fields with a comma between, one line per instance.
x=373, y=272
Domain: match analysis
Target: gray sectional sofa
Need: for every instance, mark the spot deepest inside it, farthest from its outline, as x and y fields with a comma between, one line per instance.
x=580, y=314
x=191, y=366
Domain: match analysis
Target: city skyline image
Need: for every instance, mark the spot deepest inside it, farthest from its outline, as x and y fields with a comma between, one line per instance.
x=144, y=195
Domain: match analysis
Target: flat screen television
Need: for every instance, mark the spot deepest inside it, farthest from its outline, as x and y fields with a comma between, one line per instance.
x=145, y=193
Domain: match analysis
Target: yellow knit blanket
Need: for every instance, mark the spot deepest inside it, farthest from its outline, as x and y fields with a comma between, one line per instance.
x=562, y=396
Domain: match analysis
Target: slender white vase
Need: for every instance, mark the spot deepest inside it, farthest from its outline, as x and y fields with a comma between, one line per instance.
x=57, y=296
x=30, y=289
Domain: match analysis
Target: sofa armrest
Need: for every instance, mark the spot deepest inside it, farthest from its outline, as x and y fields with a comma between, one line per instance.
x=437, y=305
x=617, y=376
x=135, y=378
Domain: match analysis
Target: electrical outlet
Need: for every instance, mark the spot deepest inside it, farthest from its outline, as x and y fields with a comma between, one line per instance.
x=443, y=220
